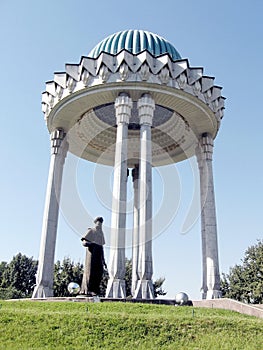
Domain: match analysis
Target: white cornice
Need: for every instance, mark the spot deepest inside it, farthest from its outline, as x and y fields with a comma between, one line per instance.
x=126, y=67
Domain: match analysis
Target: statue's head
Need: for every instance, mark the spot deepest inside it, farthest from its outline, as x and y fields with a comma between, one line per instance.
x=98, y=219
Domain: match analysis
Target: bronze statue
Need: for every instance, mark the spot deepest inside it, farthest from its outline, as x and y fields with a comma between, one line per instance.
x=94, y=263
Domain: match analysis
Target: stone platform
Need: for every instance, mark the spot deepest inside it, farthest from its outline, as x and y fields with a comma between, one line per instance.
x=96, y=299
x=223, y=303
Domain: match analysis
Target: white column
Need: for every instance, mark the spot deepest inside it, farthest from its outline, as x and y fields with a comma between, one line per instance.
x=44, y=278
x=144, y=288
x=135, y=234
x=203, y=191
x=116, y=283
x=211, y=276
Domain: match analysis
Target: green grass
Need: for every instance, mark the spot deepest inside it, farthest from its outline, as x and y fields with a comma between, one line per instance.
x=75, y=325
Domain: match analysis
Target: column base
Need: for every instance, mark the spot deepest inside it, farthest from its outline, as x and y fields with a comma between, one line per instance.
x=203, y=296
x=134, y=285
x=213, y=294
x=144, y=290
x=116, y=289
x=203, y=293
x=42, y=292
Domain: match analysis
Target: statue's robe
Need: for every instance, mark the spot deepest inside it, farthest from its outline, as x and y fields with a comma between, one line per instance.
x=93, y=269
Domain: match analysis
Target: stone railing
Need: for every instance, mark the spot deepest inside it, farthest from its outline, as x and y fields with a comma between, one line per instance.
x=233, y=305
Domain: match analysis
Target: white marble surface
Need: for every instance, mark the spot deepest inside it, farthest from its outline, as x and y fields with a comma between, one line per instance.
x=44, y=278
x=116, y=283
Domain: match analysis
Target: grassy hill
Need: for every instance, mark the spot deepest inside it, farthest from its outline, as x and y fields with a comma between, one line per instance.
x=75, y=325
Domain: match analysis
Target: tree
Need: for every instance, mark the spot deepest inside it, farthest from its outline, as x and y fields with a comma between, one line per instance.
x=245, y=281
x=128, y=276
x=158, y=287
x=67, y=272
x=64, y=273
x=17, y=279
x=3, y=266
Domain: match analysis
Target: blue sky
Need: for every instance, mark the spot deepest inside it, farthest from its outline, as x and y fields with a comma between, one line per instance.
x=38, y=38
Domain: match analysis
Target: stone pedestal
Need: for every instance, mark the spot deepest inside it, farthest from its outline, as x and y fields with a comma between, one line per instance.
x=211, y=276
x=44, y=278
x=144, y=287
x=116, y=283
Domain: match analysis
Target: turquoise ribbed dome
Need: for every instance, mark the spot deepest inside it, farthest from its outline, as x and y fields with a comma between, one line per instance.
x=135, y=41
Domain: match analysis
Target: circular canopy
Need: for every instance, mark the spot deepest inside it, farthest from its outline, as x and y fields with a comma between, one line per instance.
x=81, y=100
x=88, y=118
x=135, y=41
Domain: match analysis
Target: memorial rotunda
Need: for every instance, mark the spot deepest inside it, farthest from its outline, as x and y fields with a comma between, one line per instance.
x=132, y=103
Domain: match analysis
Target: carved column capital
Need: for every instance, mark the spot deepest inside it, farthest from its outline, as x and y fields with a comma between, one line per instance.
x=123, y=106
x=146, y=107
x=204, y=149
x=56, y=137
x=207, y=144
